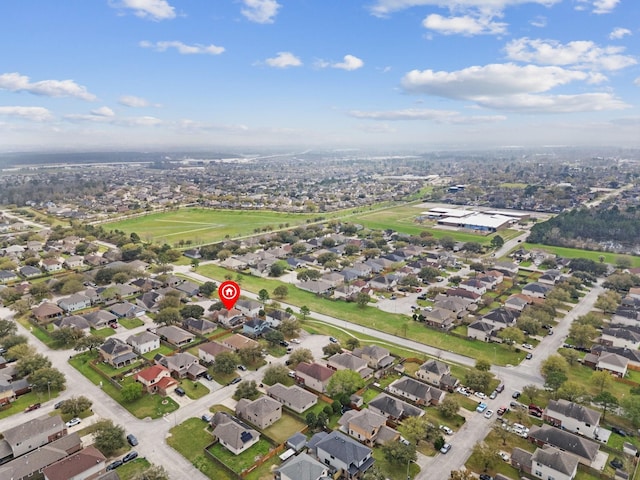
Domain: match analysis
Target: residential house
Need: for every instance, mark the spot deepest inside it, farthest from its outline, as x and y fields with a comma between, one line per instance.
x=10, y=389
x=175, y=335
x=250, y=308
x=367, y=427
x=262, y=412
x=583, y=448
x=149, y=301
x=393, y=408
x=383, y=282
x=126, y=310
x=74, y=302
x=480, y=330
x=501, y=318
x=536, y=290
x=144, y=342
x=432, y=371
x=319, y=287
x=47, y=312
x=156, y=379
x=550, y=277
x=439, y=318
x=32, y=434
x=30, y=466
x=73, y=262
x=199, y=326
x=621, y=336
x=418, y=392
x=189, y=288
x=376, y=357
x=632, y=355
x=207, y=352
x=83, y=465
x=473, y=285
x=234, y=435
x=314, y=376
x=573, y=417
x=296, y=398
x=74, y=321
x=517, y=302
x=182, y=365
x=509, y=269
x=613, y=363
x=51, y=265
x=28, y=272
x=463, y=293
x=301, y=467
x=116, y=353
x=550, y=462
x=345, y=455
x=347, y=361
x=276, y=317
x=237, y=342
x=256, y=327
x=100, y=319
x=229, y=318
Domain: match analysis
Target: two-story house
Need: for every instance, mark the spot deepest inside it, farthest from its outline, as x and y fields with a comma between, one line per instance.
x=262, y=412
x=116, y=353
x=144, y=342
x=418, y=392
x=573, y=417
x=156, y=379
x=367, y=427
x=313, y=375
x=343, y=454
x=296, y=398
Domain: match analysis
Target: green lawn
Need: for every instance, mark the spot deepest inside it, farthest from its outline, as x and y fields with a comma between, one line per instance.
x=395, y=471
x=241, y=462
x=40, y=332
x=578, y=253
x=23, y=401
x=189, y=439
x=103, y=332
x=194, y=390
x=163, y=350
x=130, y=469
x=500, y=466
x=130, y=323
x=284, y=428
x=199, y=226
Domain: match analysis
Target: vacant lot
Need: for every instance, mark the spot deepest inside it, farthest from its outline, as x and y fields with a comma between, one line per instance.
x=200, y=226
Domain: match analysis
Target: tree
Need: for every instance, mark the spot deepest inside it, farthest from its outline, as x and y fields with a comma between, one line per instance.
x=20, y=350
x=192, y=310
x=280, y=292
x=46, y=379
x=478, y=380
x=606, y=400
x=88, y=343
x=311, y=419
x=485, y=455
x=154, y=472
x=331, y=349
x=250, y=355
x=74, y=406
x=362, y=299
x=414, y=429
x=274, y=337
x=602, y=380
x=608, y=301
x=131, y=392
x=554, y=380
x=398, y=453
x=462, y=475
x=207, y=288
x=554, y=363
x=226, y=363
x=572, y=391
x=500, y=432
x=631, y=407
x=168, y=316
x=27, y=365
x=582, y=334
x=108, y=438
x=305, y=312
x=66, y=336
x=353, y=343
x=344, y=382
x=246, y=389
x=572, y=356
x=531, y=392
x=13, y=340
x=275, y=374
x=511, y=335
x=497, y=242
x=7, y=327
x=263, y=295
x=300, y=355
x=449, y=407
x=374, y=473
x=170, y=300
x=290, y=327
x=428, y=274
x=483, y=365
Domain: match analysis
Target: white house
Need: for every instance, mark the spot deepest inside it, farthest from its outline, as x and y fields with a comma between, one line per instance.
x=573, y=417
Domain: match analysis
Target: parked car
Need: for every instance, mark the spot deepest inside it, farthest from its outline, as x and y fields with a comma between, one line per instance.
x=133, y=441
x=504, y=456
x=422, y=296
x=235, y=380
x=619, y=431
x=207, y=417
x=529, y=356
x=32, y=407
x=446, y=429
x=481, y=407
x=488, y=414
x=516, y=394
x=535, y=410
x=484, y=476
x=445, y=448
x=500, y=388
x=242, y=368
x=180, y=392
x=132, y=455
x=528, y=346
x=114, y=465
x=480, y=395
x=493, y=395
x=208, y=377
x=295, y=340
x=333, y=340
x=616, y=463
x=284, y=343
x=73, y=422
x=58, y=405
x=502, y=410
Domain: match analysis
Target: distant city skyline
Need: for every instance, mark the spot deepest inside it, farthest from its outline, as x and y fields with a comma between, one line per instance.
x=161, y=74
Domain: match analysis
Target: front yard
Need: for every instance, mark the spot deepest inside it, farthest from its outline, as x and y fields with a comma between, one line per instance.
x=241, y=462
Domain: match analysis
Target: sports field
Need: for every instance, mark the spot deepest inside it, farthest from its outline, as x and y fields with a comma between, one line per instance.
x=201, y=226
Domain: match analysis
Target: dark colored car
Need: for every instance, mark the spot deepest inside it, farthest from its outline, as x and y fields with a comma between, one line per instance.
x=32, y=407
x=132, y=455
x=58, y=405
x=484, y=476
x=133, y=441
x=208, y=377
x=616, y=463
x=619, y=431
x=180, y=391
x=284, y=343
x=235, y=380
x=516, y=395
x=114, y=465
x=529, y=356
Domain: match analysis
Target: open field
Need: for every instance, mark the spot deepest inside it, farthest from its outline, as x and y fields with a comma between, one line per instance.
x=202, y=226
x=608, y=257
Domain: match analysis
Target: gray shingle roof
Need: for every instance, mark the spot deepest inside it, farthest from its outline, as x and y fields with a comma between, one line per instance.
x=555, y=459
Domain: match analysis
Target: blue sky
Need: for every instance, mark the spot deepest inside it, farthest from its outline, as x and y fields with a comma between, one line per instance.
x=157, y=74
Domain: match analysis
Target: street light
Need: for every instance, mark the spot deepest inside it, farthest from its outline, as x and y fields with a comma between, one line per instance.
x=409, y=463
x=49, y=389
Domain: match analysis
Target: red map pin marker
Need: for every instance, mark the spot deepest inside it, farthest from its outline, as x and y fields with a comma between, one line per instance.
x=229, y=292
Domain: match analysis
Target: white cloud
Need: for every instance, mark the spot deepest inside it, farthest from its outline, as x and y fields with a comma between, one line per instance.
x=16, y=82
x=438, y=116
x=103, y=112
x=618, y=33
x=464, y=25
x=539, y=21
x=637, y=81
x=35, y=114
x=183, y=48
x=525, y=103
x=599, y=6
x=152, y=9
x=493, y=80
x=260, y=11
x=382, y=8
x=134, y=102
x=284, y=60
x=349, y=63
x=104, y=118
x=581, y=54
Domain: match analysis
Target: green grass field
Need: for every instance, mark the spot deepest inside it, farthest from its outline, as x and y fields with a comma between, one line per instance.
x=201, y=226
x=608, y=257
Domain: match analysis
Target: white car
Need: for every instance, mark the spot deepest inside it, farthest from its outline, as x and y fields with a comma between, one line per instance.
x=294, y=340
x=504, y=456
x=446, y=429
x=480, y=395
x=73, y=422
x=527, y=346
x=488, y=414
